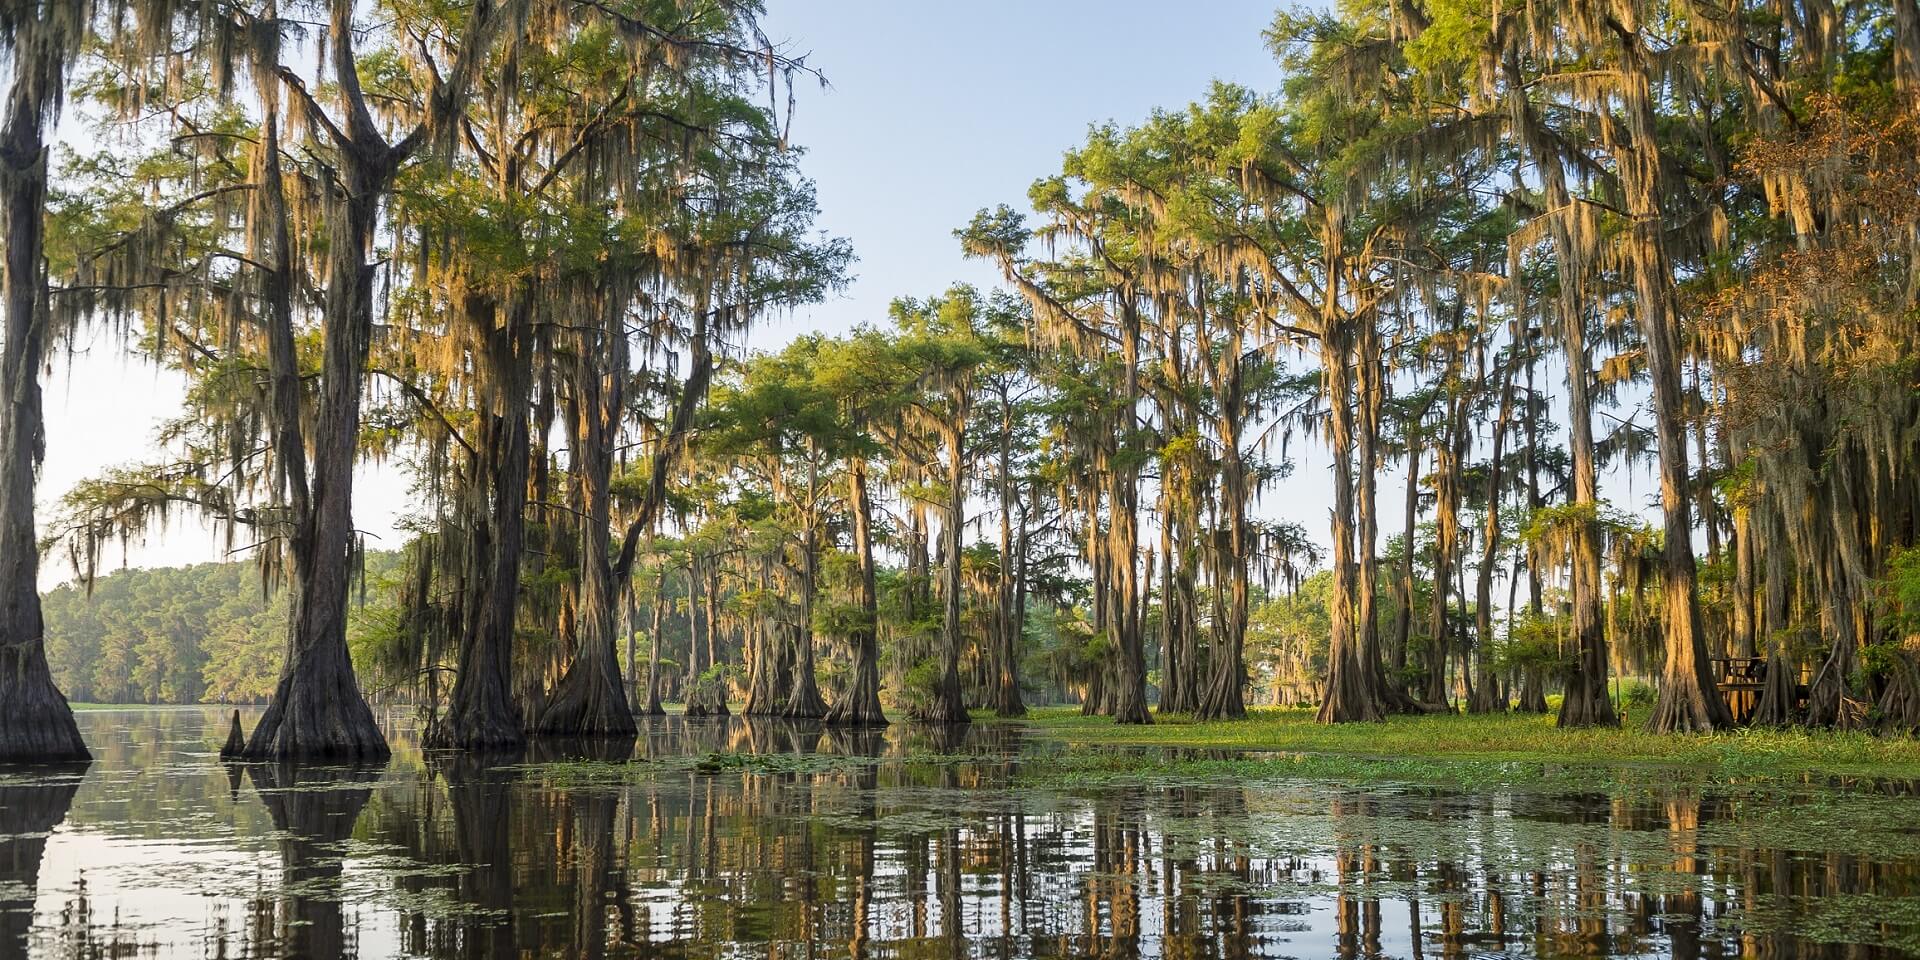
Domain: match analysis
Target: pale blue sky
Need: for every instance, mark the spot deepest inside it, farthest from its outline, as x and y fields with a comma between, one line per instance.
x=939, y=109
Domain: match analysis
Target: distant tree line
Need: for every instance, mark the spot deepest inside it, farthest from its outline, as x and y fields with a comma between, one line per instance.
x=211, y=632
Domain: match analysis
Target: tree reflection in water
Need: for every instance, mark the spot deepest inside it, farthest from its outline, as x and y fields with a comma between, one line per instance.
x=314, y=810
x=787, y=840
x=33, y=801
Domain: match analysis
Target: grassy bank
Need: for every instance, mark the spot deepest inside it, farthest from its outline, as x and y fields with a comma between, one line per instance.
x=1458, y=749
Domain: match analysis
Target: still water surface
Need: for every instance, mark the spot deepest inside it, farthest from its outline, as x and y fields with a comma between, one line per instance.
x=910, y=843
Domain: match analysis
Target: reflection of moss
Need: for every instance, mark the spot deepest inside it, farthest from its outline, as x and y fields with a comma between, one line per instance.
x=588, y=772
x=1884, y=921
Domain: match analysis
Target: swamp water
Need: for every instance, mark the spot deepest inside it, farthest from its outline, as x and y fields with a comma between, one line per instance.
x=726, y=838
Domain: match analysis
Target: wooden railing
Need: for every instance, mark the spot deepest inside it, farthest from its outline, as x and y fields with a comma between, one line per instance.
x=1740, y=680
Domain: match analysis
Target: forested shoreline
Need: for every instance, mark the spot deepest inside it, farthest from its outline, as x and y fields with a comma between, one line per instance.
x=212, y=633
x=516, y=248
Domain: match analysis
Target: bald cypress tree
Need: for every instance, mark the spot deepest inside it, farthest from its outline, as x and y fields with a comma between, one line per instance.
x=37, y=41
x=313, y=434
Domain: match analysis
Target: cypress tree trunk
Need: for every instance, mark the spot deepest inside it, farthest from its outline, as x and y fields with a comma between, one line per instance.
x=860, y=704
x=35, y=721
x=1006, y=677
x=652, y=707
x=696, y=614
x=1403, y=622
x=803, y=699
x=1689, y=701
x=630, y=633
x=1180, y=655
x=1585, y=703
x=1779, y=703
x=1745, y=643
x=1827, y=693
x=1092, y=703
x=1224, y=695
x=317, y=710
x=1446, y=511
x=482, y=714
x=1371, y=395
x=708, y=699
x=1129, y=689
x=1487, y=696
x=589, y=701
x=1179, y=650
x=763, y=644
x=948, y=704
x=1349, y=695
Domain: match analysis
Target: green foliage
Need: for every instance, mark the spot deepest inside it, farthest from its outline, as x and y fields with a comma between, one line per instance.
x=171, y=635
x=1898, y=592
x=1637, y=694
x=1539, y=642
x=916, y=693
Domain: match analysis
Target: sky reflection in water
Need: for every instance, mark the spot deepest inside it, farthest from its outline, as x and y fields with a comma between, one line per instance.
x=908, y=843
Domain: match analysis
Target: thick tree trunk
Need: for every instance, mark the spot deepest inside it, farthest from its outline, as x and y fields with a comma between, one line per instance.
x=948, y=704
x=1446, y=512
x=771, y=647
x=35, y=721
x=1006, y=678
x=317, y=710
x=652, y=707
x=1745, y=642
x=1130, y=682
x=1223, y=698
x=764, y=646
x=1180, y=654
x=1350, y=695
x=1128, y=686
x=1688, y=701
x=803, y=699
x=482, y=714
x=859, y=705
x=1487, y=696
x=1779, y=702
x=589, y=700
